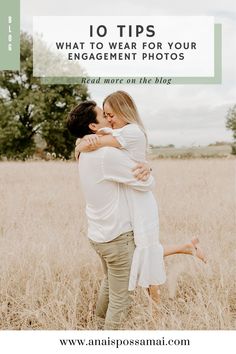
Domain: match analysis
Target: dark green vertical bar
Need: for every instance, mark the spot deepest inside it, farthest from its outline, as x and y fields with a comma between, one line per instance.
x=10, y=35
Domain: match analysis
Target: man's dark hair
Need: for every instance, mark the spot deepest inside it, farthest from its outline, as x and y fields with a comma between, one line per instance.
x=80, y=117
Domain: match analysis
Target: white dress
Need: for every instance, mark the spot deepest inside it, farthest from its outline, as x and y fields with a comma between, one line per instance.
x=147, y=265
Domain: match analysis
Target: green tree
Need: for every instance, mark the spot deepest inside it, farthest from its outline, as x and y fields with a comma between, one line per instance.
x=231, y=124
x=28, y=108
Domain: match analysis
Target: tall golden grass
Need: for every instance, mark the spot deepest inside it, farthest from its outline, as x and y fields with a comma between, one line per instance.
x=50, y=275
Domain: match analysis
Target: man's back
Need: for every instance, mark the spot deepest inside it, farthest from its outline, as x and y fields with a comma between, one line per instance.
x=105, y=174
x=106, y=203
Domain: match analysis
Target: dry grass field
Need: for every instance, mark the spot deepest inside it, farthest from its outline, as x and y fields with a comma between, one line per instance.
x=215, y=151
x=49, y=275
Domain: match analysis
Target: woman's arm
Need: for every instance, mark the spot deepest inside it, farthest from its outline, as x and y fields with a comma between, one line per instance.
x=93, y=142
x=141, y=171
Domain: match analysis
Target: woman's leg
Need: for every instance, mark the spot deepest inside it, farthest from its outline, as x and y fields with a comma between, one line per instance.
x=193, y=248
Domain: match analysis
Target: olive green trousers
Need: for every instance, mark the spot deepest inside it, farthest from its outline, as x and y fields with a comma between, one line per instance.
x=114, y=298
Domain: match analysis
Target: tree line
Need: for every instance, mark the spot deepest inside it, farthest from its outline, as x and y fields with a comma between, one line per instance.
x=30, y=110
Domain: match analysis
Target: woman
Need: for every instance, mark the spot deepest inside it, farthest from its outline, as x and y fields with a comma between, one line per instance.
x=128, y=133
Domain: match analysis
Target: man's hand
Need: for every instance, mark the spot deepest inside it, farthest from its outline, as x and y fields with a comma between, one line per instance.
x=141, y=171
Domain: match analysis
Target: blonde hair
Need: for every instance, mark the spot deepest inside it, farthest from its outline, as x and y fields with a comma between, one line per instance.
x=124, y=107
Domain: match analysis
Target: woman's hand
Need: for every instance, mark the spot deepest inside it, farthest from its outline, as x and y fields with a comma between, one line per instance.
x=77, y=148
x=88, y=143
x=92, y=139
x=142, y=171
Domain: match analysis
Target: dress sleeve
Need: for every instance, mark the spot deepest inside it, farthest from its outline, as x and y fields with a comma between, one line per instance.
x=128, y=136
x=132, y=139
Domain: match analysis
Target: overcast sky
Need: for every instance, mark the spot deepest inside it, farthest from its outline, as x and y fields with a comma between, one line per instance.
x=179, y=114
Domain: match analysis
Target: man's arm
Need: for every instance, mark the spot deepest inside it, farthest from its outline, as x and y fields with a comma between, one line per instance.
x=117, y=167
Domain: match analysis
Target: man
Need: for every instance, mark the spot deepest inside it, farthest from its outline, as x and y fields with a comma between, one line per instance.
x=105, y=174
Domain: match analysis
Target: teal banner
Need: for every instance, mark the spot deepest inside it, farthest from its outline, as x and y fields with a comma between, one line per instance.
x=10, y=35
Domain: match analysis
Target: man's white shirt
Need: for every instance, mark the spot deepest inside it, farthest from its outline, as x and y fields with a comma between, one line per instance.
x=105, y=174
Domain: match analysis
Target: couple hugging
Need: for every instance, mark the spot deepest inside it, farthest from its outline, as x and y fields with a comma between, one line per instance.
x=123, y=222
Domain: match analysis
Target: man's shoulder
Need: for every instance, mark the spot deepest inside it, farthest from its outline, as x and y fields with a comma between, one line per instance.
x=102, y=159
x=109, y=151
x=101, y=153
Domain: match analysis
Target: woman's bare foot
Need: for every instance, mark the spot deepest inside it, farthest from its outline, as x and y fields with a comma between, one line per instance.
x=154, y=293
x=197, y=250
